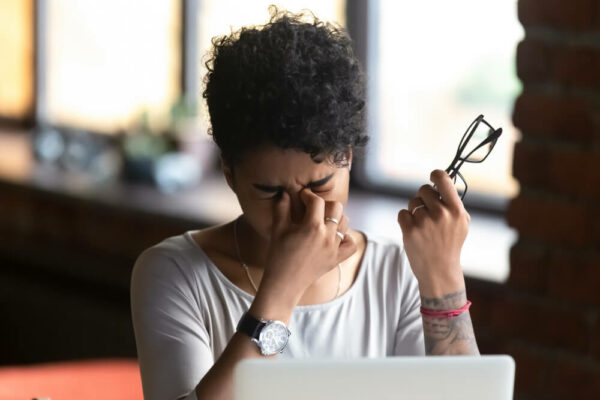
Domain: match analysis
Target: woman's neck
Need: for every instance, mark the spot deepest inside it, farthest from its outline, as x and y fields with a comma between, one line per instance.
x=252, y=246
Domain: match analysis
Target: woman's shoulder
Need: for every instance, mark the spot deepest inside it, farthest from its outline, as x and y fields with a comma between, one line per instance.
x=384, y=246
x=173, y=256
x=169, y=248
x=387, y=259
x=190, y=253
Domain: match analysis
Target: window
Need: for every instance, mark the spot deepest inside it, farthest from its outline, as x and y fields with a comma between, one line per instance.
x=16, y=68
x=433, y=67
x=109, y=61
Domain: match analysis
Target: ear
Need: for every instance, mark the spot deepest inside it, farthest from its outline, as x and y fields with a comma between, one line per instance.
x=228, y=173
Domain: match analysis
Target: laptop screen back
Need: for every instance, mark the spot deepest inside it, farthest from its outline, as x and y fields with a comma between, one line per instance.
x=451, y=377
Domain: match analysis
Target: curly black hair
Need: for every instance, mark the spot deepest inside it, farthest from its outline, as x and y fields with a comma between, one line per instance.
x=288, y=83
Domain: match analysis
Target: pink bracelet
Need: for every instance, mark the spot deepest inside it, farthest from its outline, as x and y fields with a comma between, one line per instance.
x=445, y=313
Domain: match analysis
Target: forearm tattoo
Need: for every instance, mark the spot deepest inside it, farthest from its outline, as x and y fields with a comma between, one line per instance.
x=449, y=336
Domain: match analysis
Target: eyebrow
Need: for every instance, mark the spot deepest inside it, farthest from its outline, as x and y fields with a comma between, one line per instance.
x=271, y=189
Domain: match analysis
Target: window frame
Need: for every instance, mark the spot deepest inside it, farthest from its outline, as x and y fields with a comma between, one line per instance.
x=28, y=121
x=187, y=53
x=361, y=15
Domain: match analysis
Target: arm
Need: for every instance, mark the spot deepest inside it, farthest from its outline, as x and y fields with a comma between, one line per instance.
x=311, y=247
x=218, y=382
x=448, y=336
x=433, y=237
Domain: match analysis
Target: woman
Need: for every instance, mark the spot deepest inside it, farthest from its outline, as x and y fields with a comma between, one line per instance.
x=286, y=103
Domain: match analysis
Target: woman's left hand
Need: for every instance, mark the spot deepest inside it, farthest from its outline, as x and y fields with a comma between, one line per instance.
x=434, y=229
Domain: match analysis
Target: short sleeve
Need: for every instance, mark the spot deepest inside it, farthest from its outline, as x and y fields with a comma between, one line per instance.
x=409, y=333
x=172, y=341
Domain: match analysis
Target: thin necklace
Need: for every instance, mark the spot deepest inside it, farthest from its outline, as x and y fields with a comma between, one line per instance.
x=245, y=266
x=237, y=249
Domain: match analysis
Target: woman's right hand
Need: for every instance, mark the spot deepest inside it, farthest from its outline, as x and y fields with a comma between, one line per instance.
x=301, y=252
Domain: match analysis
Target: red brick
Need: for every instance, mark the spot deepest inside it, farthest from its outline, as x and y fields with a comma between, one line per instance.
x=555, y=221
x=533, y=61
x=568, y=171
x=594, y=225
x=571, y=14
x=577, y=66
x=529, y=164
x=575, y=172
x=481, y=305
x=531, y=371
x=539, y=62
x=595, y=344
x=575, y=278
x=552, y=116
x=542, y=323
x=528, y=267
x=547, y=374
x=488, y=341
x=572, y=378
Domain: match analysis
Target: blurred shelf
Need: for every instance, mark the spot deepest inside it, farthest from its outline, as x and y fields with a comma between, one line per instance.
x=485, y=253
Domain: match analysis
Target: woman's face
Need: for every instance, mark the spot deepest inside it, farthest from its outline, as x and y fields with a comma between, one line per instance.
x=262, y=175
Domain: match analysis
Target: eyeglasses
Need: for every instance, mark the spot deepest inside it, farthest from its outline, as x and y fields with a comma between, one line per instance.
x=476, y=144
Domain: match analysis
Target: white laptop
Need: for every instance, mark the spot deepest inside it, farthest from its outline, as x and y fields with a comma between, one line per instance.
x=448, y=377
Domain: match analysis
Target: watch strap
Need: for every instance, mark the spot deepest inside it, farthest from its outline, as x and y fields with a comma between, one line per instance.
x=250, y=326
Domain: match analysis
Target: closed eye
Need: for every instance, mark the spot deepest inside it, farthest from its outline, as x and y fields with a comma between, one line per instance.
x=277, y=195
x=278, y=190
x=320, y=190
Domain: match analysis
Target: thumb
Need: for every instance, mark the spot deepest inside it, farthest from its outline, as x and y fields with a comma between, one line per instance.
x=347, y=248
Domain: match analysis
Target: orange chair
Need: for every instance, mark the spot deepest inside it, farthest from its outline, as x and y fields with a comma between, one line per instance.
x=110, y=379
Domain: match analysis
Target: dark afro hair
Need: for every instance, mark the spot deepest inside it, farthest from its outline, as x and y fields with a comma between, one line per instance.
x=290, y=83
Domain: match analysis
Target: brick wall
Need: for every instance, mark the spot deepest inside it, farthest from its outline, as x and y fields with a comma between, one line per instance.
x=549, y=316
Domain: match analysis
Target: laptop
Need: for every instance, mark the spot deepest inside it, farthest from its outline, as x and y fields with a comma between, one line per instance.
x=448, y=377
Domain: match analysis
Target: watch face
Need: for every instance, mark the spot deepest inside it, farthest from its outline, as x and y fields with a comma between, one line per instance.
x=273, y=338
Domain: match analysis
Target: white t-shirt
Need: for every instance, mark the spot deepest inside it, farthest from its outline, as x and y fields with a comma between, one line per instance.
x=185, y=311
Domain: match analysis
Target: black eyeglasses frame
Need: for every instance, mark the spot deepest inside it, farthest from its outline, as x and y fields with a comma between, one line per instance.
x=459, y=160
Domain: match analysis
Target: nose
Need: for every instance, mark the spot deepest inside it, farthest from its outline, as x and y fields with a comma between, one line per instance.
x=296, y=207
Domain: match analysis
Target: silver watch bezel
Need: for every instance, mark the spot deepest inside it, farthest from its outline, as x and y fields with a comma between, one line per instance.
x=265, y=328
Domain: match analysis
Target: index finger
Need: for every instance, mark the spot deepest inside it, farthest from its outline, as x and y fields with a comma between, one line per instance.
x=315, y=206
x=281, y=212
x=446, y=188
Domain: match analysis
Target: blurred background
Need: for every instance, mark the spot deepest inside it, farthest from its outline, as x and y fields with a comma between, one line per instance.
x=104, y=151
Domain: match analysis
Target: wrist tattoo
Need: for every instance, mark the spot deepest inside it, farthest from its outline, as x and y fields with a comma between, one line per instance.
x=448, y=336
x=450, y=301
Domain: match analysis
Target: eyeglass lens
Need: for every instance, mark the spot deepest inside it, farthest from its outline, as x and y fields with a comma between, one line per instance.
x=479, y=132
x=460, y=185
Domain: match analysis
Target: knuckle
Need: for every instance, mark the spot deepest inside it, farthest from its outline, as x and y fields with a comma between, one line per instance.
x=313, y=225
x=329, y=241
x=458, y=211
x=319, y=200
x=337, y=206
x=467, y=217
x=444, y=214
x=414, y=202
x=424, y=189
x=344, y=221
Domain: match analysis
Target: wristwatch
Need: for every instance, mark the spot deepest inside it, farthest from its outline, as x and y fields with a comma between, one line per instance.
x=270, y=336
